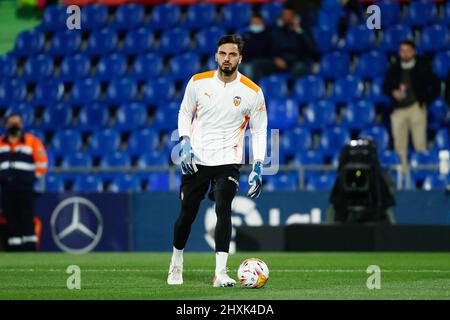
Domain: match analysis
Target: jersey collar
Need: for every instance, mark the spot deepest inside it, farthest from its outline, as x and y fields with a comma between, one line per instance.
x=223, y=84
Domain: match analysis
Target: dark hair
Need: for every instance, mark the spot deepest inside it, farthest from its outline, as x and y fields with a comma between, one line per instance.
x=232, y=38
x=409, y=43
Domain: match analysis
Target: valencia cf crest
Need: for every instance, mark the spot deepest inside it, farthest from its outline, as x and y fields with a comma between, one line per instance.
x=237, y=101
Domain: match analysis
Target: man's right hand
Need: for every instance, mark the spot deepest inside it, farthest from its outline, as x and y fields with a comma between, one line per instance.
x=398, y=95
x=187, y=157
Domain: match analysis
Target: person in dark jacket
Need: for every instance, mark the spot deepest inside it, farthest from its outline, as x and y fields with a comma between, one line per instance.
x=411, y=85
x=258, y=48
x=293, y=48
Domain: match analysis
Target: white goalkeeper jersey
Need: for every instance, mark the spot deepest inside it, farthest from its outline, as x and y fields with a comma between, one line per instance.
x=214, y=115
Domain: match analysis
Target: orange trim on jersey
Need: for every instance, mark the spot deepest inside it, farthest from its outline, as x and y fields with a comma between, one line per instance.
x=249, y=83
x=204, y=75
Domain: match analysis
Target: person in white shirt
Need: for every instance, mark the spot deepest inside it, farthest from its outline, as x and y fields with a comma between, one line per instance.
x=213, y=116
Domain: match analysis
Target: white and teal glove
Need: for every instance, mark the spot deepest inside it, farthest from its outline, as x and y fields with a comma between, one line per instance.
x=187, y=156
x=255, y=180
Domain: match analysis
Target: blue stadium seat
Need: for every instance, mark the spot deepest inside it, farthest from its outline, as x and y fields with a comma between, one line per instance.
x=347, y=89
x=200, y=15
x=125, y=183
x=54, y=18
x=274, y=87
x=87, y=183
x=102, y=42
x=421, y=13
x=165, y=16
x=158, y=181
x=111, y=66
x=85, y=91
x=391, y=12
x=329, y=18
x=128, y=16
x=159, y=90
x=205, y=37
x=116, y=159
x=92, y=117
x=166, y=117
x=8, y=67
x=334, y=65
x=359, y=38
x=25, y=110
x=283, y=181
x=392, y=37
x=53, y=183
x=57, y=116
x=270, y=12
x=235, y=15
x=174, y=41
x=319, y=114
x=182, y=67
x=121, y=91
x=154, y=158
x=438, y=113
x=358, y=115
x=48, y=92
x=333, y=139
x=332, y=5
x=435, y=182
x=441, y=64
x=104, y=141
x=297, y=139
x=78, y=159
x=148, y=66
x=29, y=43
x=371, y=65
x=12, y=91
x=131, y=116
x=94, y=17
x=379, y=134
x=65, y=43
x=38, y=68
x=420, y=159
x=309, y=88
x=138, y=41
x=446, y=16
x=326, y=38
x=66, y=142
x=74, y=67
x=389, y=158
x=284, y=114
x=434, y=38
x=143, y=141
x=442, y=140
x=376, y=94
x=322, y=182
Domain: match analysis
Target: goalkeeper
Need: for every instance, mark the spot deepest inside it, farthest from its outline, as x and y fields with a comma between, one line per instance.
x=213, y=116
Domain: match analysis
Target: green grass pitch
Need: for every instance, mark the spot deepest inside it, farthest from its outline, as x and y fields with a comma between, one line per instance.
x=293, y=276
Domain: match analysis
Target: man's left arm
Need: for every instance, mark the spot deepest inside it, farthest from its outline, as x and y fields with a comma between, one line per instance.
x=39, y=157
x=258, y=129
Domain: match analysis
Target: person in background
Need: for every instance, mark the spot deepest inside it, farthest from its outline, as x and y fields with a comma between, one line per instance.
x=411, y=85
x=257, y=46
x=22, y=159
x=293, y=48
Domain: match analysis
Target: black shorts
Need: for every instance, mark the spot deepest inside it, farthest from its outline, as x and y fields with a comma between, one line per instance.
x=224, y=178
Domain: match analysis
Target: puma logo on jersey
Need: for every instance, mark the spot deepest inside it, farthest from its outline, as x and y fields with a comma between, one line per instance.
x=261, y=108
x=208, y=94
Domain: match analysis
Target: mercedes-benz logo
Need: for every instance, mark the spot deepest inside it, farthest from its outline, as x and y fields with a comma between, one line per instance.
x=77, y=225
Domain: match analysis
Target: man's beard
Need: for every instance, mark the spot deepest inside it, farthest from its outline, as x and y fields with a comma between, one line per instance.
x=229, y=71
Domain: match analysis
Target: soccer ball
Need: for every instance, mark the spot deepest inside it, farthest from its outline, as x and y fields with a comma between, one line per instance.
x=253, y=273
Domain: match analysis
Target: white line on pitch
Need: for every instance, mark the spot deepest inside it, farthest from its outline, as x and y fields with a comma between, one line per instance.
x=210, y=270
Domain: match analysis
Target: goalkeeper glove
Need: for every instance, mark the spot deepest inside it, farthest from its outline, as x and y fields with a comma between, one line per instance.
x=187, y=156
x=255, y=180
